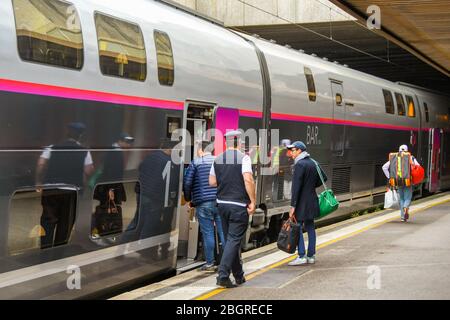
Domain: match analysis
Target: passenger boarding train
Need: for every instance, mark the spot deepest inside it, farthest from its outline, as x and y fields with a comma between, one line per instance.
x=90, y=94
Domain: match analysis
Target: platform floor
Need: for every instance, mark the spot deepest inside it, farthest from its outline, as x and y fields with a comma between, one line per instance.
x=375, y=257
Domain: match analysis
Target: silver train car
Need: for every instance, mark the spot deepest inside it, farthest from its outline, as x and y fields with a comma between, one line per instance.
x=79, y=77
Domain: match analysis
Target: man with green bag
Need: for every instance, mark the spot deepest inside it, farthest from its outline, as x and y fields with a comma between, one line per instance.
x=304, y=200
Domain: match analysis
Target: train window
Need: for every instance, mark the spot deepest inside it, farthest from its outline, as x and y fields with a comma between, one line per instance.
x=411, y=107
x=388, y=101
x=310, y=82
x=115, y=208
x=400, y=104
x=338, y=99
x=164, y=53
x=40, y=220
x=121, y=48
x=173, y=123
x=49, y=32
x=427, y=113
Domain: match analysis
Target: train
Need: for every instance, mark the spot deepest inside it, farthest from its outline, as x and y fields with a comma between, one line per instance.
x=92, y=93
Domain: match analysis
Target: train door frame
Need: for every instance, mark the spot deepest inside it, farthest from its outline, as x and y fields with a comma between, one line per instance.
x=339, y=130
x=187, y=225
x=435, y=139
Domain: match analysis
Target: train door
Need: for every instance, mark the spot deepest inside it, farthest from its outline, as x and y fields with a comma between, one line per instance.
x=435, y=156
x=198, y=120
x=339, y=114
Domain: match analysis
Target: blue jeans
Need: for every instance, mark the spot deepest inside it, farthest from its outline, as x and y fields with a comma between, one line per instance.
x=405, y=196
x=311, y=230
x=208, y=216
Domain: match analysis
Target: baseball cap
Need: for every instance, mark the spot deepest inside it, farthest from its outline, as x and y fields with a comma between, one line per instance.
x=126, y=138
x=403, y=147
x=297, y=145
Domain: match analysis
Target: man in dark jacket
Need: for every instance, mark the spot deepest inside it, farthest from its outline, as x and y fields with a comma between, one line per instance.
x=203, y=197
x=304, y=201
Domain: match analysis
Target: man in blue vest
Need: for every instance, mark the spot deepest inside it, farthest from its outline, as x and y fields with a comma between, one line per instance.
x=202, y=196
x=236, y=199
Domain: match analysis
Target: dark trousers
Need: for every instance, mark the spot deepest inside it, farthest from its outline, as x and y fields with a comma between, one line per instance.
x=57, y=218
x=311, y=230
x=235, y=223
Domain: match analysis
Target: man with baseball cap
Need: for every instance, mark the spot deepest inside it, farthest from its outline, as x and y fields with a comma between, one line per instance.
x=404, y=191
x=232, y=173
x=304, y=200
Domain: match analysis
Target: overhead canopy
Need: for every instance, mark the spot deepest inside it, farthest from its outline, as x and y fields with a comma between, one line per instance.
x=421, y=27
x=374, y=55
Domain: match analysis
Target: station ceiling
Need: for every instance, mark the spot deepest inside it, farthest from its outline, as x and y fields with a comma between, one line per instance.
x=420, y=26
x=359, y=48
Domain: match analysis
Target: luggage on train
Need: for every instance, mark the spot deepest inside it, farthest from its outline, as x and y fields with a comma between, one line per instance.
x=289, y=235
x=391, y=199
x=400, y=169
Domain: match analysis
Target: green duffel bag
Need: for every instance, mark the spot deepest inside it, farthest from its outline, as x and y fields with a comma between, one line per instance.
x=327, y=200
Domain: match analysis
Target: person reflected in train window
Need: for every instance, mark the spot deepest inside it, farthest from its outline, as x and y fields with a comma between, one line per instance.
x=202, y=197
x=286, y=163
x=68, y=163
x=398, y=171
x=304, y=201
x=108, y=214
x=281, y=168
x=157, y=192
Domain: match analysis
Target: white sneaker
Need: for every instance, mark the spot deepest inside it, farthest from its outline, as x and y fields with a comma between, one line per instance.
x=298, y=261
x=311, y=260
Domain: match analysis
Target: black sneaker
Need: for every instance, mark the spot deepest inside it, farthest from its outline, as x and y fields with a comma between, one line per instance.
x=240, y=281
x=226, y=283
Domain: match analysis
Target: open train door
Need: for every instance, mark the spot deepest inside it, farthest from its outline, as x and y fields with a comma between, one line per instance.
x=198, y=120
x=435, y=156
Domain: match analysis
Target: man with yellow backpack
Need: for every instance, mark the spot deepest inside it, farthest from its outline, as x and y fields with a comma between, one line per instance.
x=399, y=172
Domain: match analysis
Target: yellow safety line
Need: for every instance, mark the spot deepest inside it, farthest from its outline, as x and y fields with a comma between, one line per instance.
x=325, y=244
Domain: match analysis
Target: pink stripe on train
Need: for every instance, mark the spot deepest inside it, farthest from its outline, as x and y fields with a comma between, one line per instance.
x=79, y=94
x=309, y=119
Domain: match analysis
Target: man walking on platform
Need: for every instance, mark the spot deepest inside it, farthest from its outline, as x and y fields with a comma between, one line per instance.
x=236, y=199
x=304, y=201
x=398, y=171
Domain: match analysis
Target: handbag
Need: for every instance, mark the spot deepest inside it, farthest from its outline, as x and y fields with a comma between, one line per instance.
x=108, y=217
x=391, y=199
x=327, y=200
x=289, y=235
x=417, y=174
